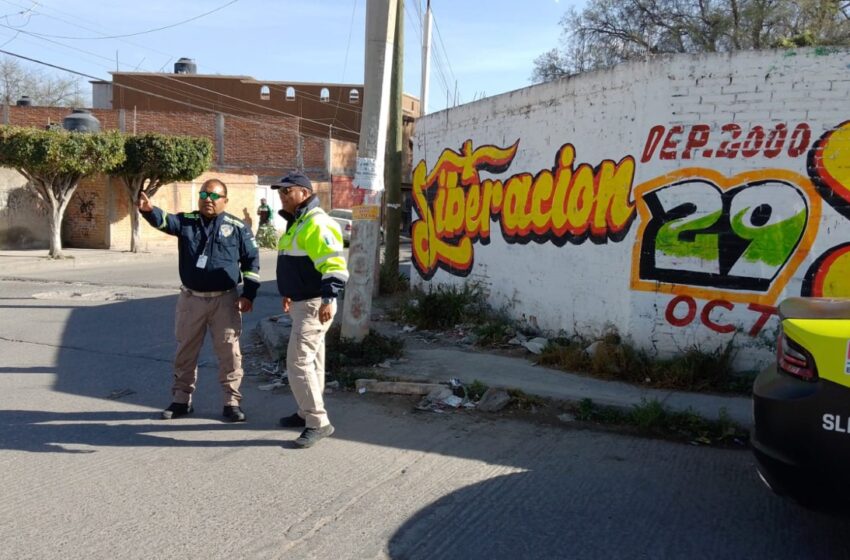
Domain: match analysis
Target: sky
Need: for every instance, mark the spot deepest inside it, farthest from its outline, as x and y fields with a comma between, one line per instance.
x=479, y=47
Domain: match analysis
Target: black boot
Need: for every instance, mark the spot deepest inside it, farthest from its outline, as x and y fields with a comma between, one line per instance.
x=233, y=413
x=176, y=410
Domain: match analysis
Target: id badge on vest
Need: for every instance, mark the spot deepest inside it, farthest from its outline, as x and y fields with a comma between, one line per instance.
x=210, y=232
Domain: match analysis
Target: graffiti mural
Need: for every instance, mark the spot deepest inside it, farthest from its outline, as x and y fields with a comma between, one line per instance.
x=735, y=141
x=828, y=275
x=710, y=236
x=717, y=244
x=829, y=168
x=566, y=203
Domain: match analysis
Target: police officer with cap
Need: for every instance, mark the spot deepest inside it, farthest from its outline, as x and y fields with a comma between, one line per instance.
x=311, y=273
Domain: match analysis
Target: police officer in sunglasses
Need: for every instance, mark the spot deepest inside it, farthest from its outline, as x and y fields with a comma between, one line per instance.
x=216, y=252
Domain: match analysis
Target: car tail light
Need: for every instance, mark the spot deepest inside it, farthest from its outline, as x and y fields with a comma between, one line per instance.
x=795, y=360
x=347, y=227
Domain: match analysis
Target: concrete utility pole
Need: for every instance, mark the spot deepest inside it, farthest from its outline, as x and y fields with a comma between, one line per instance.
x=394, y=150
x=426, y=62
x=380, y=36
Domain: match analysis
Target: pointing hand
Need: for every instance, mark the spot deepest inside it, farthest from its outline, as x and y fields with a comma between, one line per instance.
x=145, y=203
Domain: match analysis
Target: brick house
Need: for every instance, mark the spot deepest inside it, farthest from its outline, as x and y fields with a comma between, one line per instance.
x=260, y=131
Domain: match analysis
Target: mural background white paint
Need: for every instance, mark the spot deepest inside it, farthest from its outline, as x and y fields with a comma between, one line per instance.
x=607, y=115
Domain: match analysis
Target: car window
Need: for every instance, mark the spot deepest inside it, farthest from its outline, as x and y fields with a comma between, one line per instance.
x=346, y=214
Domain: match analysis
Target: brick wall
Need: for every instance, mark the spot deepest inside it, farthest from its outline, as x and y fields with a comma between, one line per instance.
x=345, y=194
x=86, y=222
x=679, y=200
x=262, y=145
x=98, y=218
x=186, y=124
x=270, y=143
x=315, y=155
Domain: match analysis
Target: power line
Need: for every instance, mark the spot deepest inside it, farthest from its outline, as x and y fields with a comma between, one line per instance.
x=418, y=27
x=339, y=105
x=196, y=86
x=84, y=75
x=445, y=53
x=301, y=92
x=443, y=46
x=345, y=60
x=42, y=13
x=141, y=32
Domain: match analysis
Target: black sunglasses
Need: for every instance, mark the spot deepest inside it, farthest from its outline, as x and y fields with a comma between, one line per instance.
x=203, y=195
x=286, y=190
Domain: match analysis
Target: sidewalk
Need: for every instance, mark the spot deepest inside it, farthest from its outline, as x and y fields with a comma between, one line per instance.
x=436, y=363
x=439, y=364
x=12, y=262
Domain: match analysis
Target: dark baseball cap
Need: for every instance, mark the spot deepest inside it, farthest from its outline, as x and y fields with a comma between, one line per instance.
x=293, y=179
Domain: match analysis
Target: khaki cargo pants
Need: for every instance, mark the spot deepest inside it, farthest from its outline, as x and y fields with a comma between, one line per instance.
x=305, y=360
x=197, y=314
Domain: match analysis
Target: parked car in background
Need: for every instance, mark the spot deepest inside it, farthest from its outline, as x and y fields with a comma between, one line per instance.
x=343, y=217
x=801, y=405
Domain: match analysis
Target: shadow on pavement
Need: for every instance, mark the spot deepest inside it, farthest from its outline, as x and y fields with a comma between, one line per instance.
x=59, y=432
x=552, y=502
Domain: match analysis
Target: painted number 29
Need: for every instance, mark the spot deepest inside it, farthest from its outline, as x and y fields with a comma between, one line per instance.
x=735, y=239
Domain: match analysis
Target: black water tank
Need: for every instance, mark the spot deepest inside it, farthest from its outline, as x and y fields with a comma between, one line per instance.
x=185, y=66
x=24, y=101
x=81, y=120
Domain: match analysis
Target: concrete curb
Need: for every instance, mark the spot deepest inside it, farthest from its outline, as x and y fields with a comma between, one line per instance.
x=15, y=262
x=441, y=364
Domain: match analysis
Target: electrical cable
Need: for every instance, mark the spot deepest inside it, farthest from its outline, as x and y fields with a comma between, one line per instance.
x=345, y=60
x=140, y=32
x=339, y=105
x=303, y=93
x=440, y=37
x=200, y=98
x=67, y=22
x=84, y=75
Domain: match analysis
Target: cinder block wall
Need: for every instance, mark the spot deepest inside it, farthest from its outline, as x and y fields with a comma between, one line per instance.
x=676, y=200
x=98, y=216
x=23, y=218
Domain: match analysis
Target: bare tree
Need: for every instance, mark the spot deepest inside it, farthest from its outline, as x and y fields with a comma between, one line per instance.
x=607, y=32
x=17, y=80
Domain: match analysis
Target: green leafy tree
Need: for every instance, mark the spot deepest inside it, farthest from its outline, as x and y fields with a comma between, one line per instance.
x=607, y=32
x=54, y=162
x=153, y=160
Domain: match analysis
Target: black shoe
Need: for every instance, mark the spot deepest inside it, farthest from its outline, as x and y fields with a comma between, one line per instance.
x=233, y=413
x=176, y=410
x=293, y=421
x=311, y=436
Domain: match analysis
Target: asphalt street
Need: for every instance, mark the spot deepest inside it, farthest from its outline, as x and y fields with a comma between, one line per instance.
x=88, y=470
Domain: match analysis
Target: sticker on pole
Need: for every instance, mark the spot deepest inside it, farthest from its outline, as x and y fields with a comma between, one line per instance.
x=369, y=175
x=365, y=213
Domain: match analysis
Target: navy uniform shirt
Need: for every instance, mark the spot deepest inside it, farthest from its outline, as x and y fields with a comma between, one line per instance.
x=230, y=249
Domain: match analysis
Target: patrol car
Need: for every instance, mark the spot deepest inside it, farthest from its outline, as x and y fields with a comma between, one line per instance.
x=801, y=405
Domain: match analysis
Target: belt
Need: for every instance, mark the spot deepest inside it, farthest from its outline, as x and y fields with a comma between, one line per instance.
x=205, y=294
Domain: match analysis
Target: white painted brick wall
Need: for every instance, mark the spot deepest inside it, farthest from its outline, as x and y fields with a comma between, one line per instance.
x=608, y=115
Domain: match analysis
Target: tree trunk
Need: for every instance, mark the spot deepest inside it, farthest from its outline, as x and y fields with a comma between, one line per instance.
x=135, y=229
x=54, y=218
x=135, y=185
x=56, y=192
